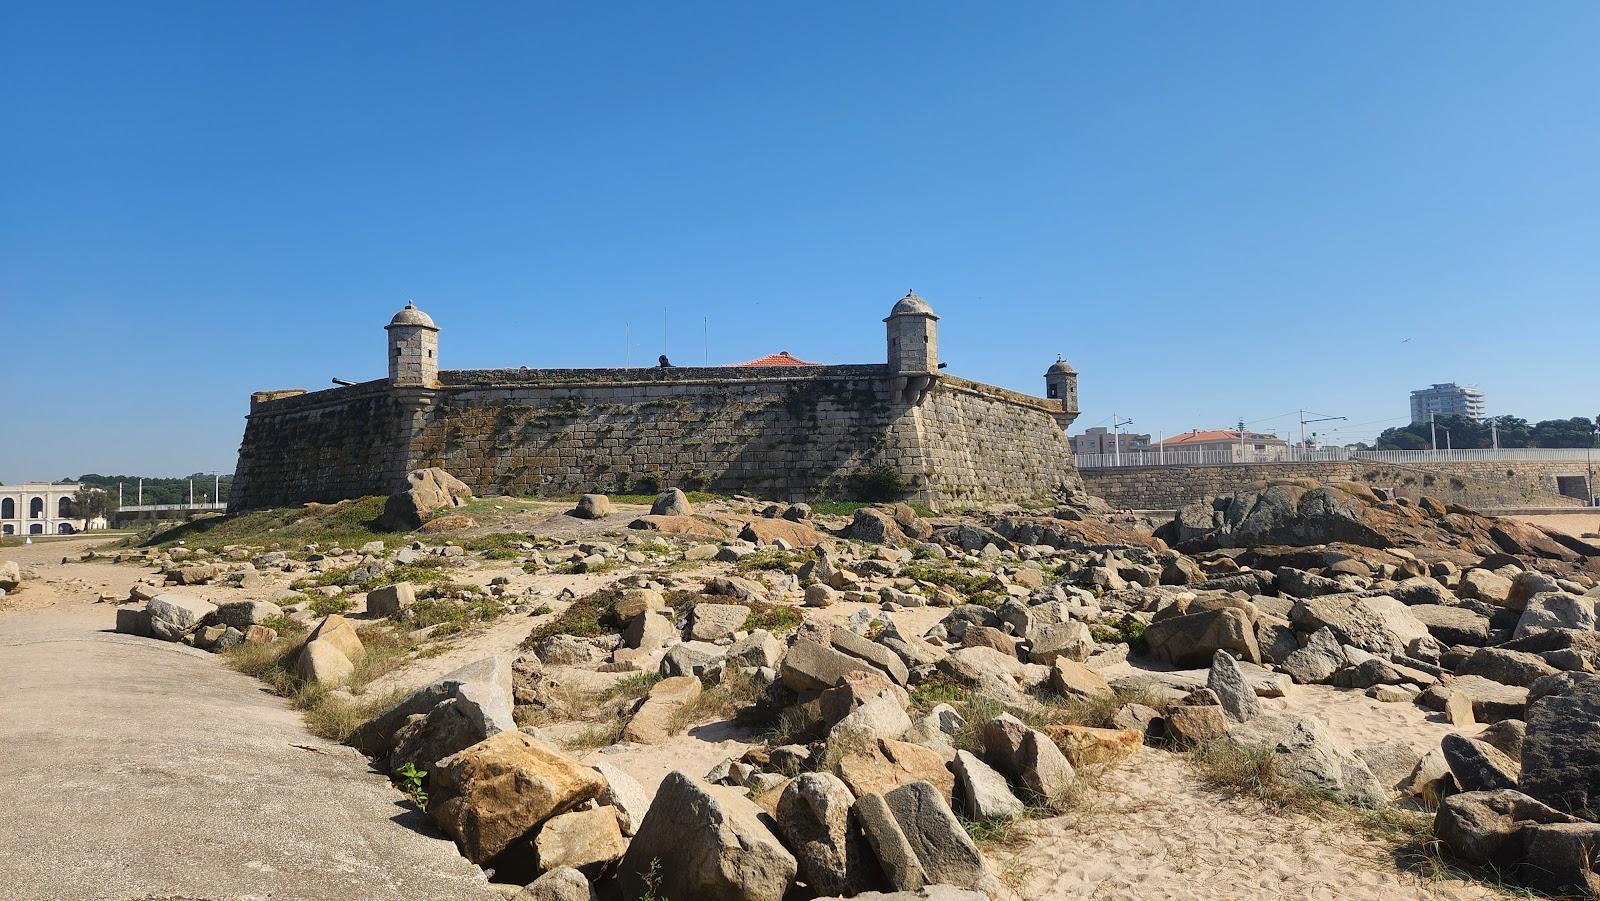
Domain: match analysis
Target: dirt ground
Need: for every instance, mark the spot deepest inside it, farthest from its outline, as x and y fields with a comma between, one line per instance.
x=1150, y=830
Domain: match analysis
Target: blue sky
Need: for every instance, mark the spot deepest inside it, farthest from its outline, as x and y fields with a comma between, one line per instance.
x=1213, y=210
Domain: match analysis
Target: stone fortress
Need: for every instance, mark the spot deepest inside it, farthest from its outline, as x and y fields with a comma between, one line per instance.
x=790, y=432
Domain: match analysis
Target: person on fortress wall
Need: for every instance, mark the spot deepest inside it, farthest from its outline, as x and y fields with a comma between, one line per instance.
x=663, y=362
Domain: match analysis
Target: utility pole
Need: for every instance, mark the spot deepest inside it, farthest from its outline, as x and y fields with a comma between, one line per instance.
x=216, y=487
x=1116, y=438
x=1594, y=435
x=1433, y=426
x=1494, y=433
x=191, y=492
x=1304, y=420
x=119, y=495
x=1240, y=458
x=141, y=492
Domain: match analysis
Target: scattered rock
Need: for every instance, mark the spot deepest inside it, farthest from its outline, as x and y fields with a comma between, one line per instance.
x=705, y=846
x=672, y=502
x=653, y=723
x=593, y=506
x=983, y=792
x=1238, y=698
x=427, y=491
x=814, y=812
x=173, y=616
x=493, y=793
x=391, y=599
x=585, y=840
x=1478, y=766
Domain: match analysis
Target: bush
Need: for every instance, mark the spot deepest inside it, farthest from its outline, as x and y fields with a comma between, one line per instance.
x=772, y=617
x=583, y=618
x=323, y=606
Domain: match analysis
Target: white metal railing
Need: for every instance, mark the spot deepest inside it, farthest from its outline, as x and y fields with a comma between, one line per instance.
x=1157, y=456
x=160, y=508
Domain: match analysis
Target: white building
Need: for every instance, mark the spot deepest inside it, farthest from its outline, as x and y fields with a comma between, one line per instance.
x=41, y=508
x=1446, y=399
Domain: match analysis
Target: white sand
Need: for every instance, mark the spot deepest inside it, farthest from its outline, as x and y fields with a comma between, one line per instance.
x=1150, y=830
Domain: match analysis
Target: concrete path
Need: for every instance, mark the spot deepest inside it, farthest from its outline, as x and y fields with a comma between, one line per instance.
x=136, y=769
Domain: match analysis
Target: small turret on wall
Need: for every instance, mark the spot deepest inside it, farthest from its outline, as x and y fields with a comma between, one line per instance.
x=913, y=347
x=1061, y=384
x=413, y=349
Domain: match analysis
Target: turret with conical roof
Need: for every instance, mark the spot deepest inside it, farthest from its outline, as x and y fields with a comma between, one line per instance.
x=913, y=337
x=1061, y=384
x=413, y=349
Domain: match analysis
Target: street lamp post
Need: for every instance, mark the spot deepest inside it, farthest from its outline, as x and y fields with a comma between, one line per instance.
x=1116, y=438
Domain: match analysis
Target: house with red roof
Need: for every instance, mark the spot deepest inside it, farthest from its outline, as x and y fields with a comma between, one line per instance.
x=781, y=358
x=1229, y=445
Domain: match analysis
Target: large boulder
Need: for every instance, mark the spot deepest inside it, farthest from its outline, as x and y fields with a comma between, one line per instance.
x=809, y=666
x=587, y=840
x=564, y=884
x=1090, y=745
x=1192, y=639
x=1561, y=753
x=500, y=789
x=1488, y=828
x=1286, y=514
x=1453, y=625
x=672, y=502
x=1315, y=663
x=592, y=506
x=715, y=847
x=814, y=812
x=1353, y=619
x=427, y=491
x=1484, y=585
x=389, y=600
x=244, y=614
x=482, y=690
x=653, y=723
x=321, y=662
x=1306, y=752
x=982, y=791
x=341, y=633
x=686, y=526
x=427, y=738
x=624, y=795
x=173, y=616
x=1477, y=765
x=1238, y=696
x=10, y=575
x=715, y=622
x=876, y=654
x=891, y=764
x=769, y=531
x=942, y=847
x=1556, y=610
x=1506, y=667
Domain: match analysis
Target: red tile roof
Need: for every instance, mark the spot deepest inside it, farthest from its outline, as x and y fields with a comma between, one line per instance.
x=1219, y=435
x=781, y=358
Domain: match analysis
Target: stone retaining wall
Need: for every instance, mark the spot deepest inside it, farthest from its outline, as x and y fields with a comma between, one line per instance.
x=1479, y=485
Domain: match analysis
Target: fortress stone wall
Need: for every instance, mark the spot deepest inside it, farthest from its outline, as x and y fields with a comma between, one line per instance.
x=789, y=432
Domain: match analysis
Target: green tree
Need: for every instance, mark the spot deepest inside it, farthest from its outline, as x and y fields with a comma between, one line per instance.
x=1574, y=432
x=90, y=503
x=1514, y=431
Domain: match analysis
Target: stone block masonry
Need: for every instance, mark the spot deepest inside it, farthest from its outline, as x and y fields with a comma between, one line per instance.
x=1481, y=485
x=794, y=433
